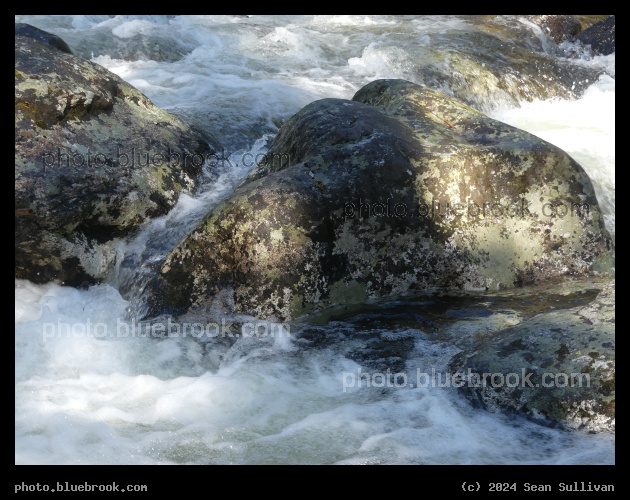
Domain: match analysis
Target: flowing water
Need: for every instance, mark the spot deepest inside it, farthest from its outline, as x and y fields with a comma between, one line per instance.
x=93, y=385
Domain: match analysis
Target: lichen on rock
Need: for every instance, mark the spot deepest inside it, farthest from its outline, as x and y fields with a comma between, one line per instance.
x=94, y=158
x=398, y=190
x=557, y=368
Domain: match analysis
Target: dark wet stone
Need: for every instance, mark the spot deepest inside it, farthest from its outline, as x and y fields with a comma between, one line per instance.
x=559, y=28
x=23, y=29
x=82, y=179
x=600, y=36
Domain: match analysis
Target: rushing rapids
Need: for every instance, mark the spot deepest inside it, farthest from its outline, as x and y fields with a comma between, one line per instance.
x=97, y=384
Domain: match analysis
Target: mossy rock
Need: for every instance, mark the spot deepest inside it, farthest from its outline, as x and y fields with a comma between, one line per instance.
x=345, y=210
x=91, y=161
x=557, y=368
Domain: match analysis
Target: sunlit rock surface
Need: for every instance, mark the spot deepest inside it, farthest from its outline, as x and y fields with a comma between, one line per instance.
x=401, y=189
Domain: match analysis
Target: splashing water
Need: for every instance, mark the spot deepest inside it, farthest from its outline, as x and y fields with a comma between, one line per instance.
x=93, y=385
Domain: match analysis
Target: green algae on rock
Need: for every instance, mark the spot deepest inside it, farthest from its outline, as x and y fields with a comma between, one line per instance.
x=94, y=158
x=558, y=367
x=400, y=189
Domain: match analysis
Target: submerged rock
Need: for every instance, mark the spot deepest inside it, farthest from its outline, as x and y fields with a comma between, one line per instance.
x=600, y=36
x=503, y=62
x=557, y=367
x=401, y=189
x=155, y=46
x=94, y=158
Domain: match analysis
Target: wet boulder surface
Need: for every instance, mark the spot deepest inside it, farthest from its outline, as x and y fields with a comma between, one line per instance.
x=94, y=159
x=600, y=36
x=400, y=189
x=559, y=27
x=557, y=368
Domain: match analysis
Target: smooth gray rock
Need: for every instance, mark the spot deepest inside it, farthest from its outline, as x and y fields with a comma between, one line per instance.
x=23, y=29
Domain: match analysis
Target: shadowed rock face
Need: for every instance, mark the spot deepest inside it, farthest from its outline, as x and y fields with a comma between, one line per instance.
x=26, y=30
x=600, y=36
x=564, y=362
x=401, y=189
x=82, y=174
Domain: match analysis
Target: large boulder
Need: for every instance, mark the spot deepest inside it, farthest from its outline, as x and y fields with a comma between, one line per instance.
x=401, y=189
x=94, y=158
x=558, y=367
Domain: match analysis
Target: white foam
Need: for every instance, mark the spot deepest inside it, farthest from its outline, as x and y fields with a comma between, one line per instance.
x=381, y=62
x=124, y=399
x=132, y=28
x=350, y=20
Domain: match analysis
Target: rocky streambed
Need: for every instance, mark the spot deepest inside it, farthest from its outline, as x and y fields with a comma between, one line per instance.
x=402, y=199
